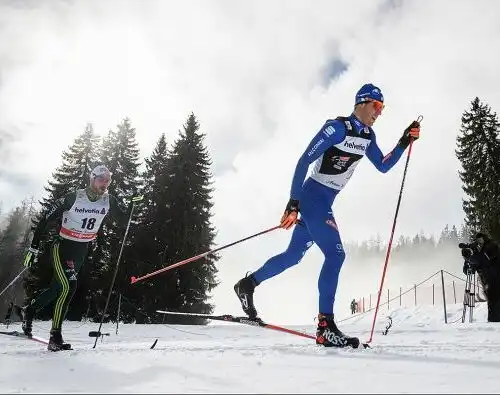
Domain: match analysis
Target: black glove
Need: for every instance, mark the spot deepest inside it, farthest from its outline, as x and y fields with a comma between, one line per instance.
x=290, y=215
x=411, y=132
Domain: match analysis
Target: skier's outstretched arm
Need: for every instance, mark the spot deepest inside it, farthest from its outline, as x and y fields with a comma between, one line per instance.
x=381, y=162
x=385, y=163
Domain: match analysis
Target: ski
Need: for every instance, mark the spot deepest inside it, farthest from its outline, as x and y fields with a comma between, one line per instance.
x=240, y=320
x=246, y=321
x=23, y=336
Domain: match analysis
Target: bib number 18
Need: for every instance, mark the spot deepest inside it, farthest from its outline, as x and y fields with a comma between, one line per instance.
x=88, y=223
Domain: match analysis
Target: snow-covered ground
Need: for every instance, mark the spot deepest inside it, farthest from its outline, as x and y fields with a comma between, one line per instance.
x=420, y=354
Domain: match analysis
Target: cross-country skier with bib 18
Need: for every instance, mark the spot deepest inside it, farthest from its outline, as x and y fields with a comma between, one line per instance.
x=336, y=150
x=80, y=213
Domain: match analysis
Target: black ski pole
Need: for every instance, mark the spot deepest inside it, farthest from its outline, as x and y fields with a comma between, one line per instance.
x=97, y=333
x=14, y=280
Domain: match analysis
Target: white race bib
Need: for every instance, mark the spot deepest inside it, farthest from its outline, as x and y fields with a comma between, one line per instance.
x=83, y=220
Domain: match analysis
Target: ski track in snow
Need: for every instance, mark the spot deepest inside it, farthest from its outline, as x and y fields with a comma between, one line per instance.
x=419, y=354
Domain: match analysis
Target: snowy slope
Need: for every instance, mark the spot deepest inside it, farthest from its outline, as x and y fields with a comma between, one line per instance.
x=419, y=354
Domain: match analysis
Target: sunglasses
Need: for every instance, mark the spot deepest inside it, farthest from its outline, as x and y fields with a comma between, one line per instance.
x=102, y=180
x=379, y=106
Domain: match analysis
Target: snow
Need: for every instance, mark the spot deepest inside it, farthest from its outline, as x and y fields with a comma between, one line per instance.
x=420, y=354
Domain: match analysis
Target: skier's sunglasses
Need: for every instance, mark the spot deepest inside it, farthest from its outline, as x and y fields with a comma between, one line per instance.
x=102, y=180
x=379, y=106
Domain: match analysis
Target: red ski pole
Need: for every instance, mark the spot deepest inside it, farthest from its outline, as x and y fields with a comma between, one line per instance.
x=419, y=119
x=134, y=279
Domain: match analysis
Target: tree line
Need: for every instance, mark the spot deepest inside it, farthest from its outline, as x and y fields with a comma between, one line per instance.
x=410, y=248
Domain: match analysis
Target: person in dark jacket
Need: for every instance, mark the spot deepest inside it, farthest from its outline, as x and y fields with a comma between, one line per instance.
x=483, y=256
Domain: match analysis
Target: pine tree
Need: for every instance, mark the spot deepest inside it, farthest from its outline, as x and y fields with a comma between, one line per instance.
x=72, y=174
x=190, y=231
x=152, y=235
x=464, y=235
x=120, y=154
x=478, y=149
x=77, y=163
x=453, y=237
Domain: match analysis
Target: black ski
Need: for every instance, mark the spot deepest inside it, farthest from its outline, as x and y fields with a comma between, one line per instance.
x=246, y=321
x=240, y=320
x=23, y=336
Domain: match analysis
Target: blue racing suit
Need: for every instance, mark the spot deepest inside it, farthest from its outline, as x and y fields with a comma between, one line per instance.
x=336, y=150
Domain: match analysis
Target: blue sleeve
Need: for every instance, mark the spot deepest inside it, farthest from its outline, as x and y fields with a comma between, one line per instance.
x=381, y=162
x=332, y=132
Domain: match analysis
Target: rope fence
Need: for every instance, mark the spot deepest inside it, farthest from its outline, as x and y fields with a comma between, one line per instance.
x=442, y=287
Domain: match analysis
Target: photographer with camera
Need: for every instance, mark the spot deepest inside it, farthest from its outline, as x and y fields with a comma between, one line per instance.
x=483, y=256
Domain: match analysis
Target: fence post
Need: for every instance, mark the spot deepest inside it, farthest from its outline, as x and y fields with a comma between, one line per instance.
x=454, y=292
x=118, y=314
x=415, y=286
x=370, y=307
x=444, y=298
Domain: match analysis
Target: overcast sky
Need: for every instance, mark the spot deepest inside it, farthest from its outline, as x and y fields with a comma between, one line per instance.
x=262, y=77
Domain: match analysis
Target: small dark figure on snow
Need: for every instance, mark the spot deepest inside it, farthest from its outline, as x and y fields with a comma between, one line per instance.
x=354, y=306
x=483, y=256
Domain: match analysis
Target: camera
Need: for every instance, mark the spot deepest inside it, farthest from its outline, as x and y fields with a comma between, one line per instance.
x=468, y=251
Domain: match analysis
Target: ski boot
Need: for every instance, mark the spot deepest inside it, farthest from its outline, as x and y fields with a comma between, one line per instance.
x=244, y=289
x=56, y=342
x=329, y=335
x=27, y=317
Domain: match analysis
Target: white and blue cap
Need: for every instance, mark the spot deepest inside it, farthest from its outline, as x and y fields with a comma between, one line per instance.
x=369, y=92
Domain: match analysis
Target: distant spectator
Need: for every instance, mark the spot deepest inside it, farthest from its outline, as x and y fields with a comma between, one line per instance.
x=354, y=306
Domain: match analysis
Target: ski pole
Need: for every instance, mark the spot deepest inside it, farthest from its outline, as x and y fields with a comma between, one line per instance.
x=14, y=280
x=389, y=246
x=98, y=333
x=134, y=279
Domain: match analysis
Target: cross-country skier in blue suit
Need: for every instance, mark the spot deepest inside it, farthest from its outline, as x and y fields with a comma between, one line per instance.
x=336, y=150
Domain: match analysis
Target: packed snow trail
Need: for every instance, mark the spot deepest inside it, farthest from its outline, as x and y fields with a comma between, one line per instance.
x=419, y=354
